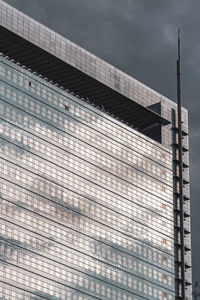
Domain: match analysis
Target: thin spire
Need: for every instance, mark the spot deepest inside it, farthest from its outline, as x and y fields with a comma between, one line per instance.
x=179, y=45
x=179, y=70
x=179, y=115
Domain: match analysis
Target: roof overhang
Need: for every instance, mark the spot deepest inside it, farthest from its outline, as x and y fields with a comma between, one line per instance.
x=76, y=81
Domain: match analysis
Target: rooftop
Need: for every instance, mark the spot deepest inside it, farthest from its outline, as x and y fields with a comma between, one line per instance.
x=55, y=57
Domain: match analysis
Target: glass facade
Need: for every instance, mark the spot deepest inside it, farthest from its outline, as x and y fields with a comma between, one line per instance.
x=90, y=208
x=86, y=201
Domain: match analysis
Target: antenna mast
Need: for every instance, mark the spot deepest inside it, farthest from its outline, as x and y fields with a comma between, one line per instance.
x=180, y=153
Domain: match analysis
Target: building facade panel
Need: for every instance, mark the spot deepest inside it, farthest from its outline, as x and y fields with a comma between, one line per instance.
x=91, y=208
x=76, y=198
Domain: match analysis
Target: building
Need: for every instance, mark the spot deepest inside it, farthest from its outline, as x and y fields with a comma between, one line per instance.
x=92, y=201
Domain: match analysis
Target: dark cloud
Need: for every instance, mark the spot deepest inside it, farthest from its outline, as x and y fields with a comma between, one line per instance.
x=139, y=37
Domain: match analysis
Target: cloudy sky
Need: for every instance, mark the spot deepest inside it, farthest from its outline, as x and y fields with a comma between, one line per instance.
x=139, y=37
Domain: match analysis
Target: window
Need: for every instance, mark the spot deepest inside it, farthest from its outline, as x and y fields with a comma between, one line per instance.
x=29, y=83
x=164, y=206
x=164, y=241
x=66, y=107
x=163, y=189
